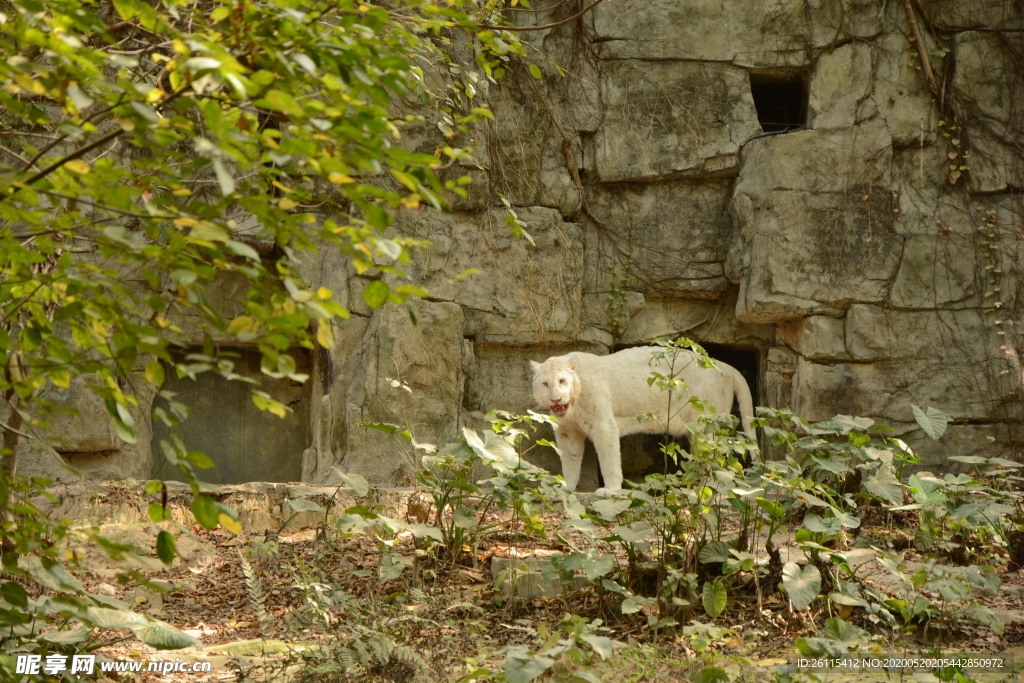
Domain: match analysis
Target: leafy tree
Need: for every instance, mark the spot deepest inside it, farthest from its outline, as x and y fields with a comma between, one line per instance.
x=151, y=148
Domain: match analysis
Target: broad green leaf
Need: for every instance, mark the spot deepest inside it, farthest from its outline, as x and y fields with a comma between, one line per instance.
x=536, y=72
x=714, y=597
x=595, y=566
x=637, y=532
x=376, y=293
x=304, y=505
x=493, y=449
x=277, y=100
x=464, y=518
x=802, y=584
x=14, y=593
x=609, y=508
x=932, y=420
x=715, y=551
x=354, y=481
x=205, y=511
x=885, y=485
x=522, y=666
x=603, y=646
x=165, y=548
x=392, y=566
x=709, y=674
x=50, y=574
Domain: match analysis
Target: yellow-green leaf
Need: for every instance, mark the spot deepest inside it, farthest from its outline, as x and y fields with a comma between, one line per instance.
x=155, y=373
x=232, y=525
x=77, y=166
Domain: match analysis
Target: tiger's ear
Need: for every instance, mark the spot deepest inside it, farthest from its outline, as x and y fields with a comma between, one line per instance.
x=573, y=361
x=535, y=365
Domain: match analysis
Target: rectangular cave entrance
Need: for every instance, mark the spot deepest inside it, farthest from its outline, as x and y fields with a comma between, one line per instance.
x=780, y=99
x=245, y=443
x=641, y=453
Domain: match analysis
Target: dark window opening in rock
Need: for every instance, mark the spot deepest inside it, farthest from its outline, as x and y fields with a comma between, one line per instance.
x=781, y=101
x=244, y=442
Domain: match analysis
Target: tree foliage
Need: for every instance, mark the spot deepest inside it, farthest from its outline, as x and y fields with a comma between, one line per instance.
x=151, y=150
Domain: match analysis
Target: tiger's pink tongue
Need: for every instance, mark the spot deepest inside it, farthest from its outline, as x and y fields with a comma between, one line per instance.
x=559, y=409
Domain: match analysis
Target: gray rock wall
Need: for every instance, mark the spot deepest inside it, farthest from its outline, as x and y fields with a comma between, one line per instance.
x=854, y=260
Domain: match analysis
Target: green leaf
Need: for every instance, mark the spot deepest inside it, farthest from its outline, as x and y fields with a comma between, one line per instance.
x=932, y=421
x=242, y=249
x=165, y=548
x=775, y=510
x=158, y=513
x=163, y=636
x=709, y=674
x=714, y=598
x=802, y=584
x=603, y=646
x=522, y=666
x=536, y=72
x=391, y=567
x=885, y=485
x=276, y=100
x=595, y=566
x=50, y=574
x=14, y=593
x=376, y=293
x=493, y=449
x=224, y=179
x=356, y=481
x=205, y=510
x=304, y=505
x=637, y=532
x=464, y=518
x=716, y=551
x=609, y=508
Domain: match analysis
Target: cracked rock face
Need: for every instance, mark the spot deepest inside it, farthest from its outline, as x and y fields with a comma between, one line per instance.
x=672, y=119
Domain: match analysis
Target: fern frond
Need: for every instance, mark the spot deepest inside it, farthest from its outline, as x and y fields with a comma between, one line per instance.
x=254, y=591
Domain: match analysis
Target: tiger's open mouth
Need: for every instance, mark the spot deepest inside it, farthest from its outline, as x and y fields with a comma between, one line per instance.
x=560, y=409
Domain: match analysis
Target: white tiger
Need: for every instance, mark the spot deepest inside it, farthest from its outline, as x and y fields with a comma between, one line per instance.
x=601, y=396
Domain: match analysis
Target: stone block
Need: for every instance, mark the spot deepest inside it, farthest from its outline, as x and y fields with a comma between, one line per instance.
x=776, y=390
x=812, y=253
x=526, y=161
x=672, y=119
x=900, y=93
x=818, y=161
x=868, y=336
x=704, y=321
x=886, y=389
x=817, y=337
x=426, y=357
x=998, y=14
x=984, y=67
x=840, y=87
x=743, y=33
x=670, y=238
x=936, y=271
x=523, y=293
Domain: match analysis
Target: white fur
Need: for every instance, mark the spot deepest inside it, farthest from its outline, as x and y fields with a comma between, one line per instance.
x=600, y=397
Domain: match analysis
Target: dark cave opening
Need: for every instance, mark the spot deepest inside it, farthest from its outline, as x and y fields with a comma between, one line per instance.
x=780, y=100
